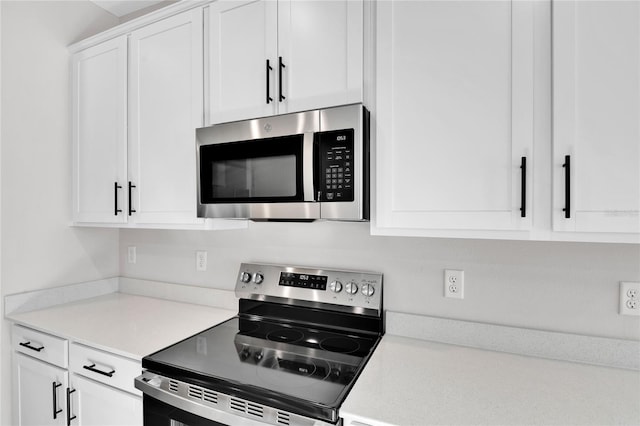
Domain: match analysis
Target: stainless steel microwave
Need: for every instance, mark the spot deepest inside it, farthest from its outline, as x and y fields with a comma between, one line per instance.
x=301, y=166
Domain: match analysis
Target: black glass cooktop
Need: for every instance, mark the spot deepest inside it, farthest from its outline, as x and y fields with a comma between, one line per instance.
x=292, y=366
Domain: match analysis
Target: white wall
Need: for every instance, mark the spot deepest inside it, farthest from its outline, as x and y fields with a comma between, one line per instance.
x=39, y=249
x=567, y=287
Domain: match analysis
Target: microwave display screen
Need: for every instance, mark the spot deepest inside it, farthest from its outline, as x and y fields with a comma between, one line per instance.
x=314, y=282
x=261, y=170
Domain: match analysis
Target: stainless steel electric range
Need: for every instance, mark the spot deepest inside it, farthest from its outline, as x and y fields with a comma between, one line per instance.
x=300, y=339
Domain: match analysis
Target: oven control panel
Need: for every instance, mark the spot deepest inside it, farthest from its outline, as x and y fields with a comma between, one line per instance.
x=333, y=289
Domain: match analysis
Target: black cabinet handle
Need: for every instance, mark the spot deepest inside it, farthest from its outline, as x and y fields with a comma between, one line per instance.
x=130, y=209
x=280, y=68
x=567, y=186
x=55, y=400
x=116, y=210
x=28, y=346
x=269, y=98
x=93, y=368
x=523, y=188
x=69, y=416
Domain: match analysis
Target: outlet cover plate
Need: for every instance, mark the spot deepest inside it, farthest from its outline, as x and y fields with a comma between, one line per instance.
x=454, y=283
x=629, y=298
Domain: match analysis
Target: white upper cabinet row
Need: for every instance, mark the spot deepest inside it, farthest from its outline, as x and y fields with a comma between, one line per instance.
x=466, y=97
x=139, y=97
x=487, y=122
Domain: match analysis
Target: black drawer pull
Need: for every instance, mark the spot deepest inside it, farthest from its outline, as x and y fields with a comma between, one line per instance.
x=281, y=66
x=93, y=368
x=116, y=210
x=130, y=209
x=567, y=186
x=269, y=98
x=55, y=400
x=28, y=346
x=69, y=416
x=523, y=188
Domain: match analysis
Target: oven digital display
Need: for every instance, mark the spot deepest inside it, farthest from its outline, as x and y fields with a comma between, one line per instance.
x=315, y=282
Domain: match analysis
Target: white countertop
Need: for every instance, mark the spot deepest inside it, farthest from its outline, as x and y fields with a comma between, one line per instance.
x=128, y=325
x=415, y=382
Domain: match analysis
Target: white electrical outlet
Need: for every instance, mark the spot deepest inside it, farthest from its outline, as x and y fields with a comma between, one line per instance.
x=131, y=254
x=201, y=261
x=454, y=284
x=629, y=298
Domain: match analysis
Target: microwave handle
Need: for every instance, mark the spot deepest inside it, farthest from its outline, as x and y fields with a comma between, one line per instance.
x=316, y=167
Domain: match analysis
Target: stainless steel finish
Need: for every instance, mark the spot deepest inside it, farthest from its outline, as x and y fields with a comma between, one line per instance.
x=258, y=278
x=346, y=117
x=368, y=290
x=351, y=287
x=306, y=123
x=217, y=406
x=270, y=290
x=335, y=286
x=245, y=277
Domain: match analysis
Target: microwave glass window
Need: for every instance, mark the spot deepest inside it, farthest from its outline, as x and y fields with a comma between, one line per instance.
x=262, y=170
x=260, y=177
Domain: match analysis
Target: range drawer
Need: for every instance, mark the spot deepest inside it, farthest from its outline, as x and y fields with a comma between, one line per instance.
x=37, y=344
x=104, y=367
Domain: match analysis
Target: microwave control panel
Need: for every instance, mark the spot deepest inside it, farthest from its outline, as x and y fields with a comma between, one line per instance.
x=336, y=165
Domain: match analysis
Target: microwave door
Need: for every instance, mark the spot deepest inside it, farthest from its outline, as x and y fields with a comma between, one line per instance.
x=270, y=178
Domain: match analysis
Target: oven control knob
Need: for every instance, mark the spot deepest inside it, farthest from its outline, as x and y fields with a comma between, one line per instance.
x=245, y=353
x=245, y=277
x=351, y=288
x=335, y=286
x=258, y=278
x=368, y=290
x=258, y=356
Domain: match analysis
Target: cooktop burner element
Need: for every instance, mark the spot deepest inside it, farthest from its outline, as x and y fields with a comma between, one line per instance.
x=285, y=335
x=295, y=349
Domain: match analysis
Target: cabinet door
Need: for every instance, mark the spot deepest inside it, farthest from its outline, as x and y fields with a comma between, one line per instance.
x=454, y=114
x=242, y=38
x=166, y=106
x=321, y=43
x=94, y=404
x=596, y=84
x=39, y=392
x=99, y=101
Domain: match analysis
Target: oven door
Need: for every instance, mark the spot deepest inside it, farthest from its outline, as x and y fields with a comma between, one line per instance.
x=158, y=413
x=258, y=169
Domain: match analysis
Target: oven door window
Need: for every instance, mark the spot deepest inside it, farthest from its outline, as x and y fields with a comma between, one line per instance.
x=255, y=171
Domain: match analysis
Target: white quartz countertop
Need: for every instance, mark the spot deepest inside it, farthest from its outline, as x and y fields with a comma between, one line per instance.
x=128, y=325
x=415, y=382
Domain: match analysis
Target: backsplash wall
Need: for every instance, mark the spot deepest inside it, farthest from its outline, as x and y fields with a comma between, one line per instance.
x=565, y=287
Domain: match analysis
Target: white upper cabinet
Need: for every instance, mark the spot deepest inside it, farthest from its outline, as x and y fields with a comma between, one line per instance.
x=321, y=46
x=243, y=60
x=165, y=108
x=454, y=121
x=268, y=57
x=99, y=96
x=596, y=111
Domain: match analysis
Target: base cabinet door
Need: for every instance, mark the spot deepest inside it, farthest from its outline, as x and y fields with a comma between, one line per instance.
x=39, y=394
x=95, y=404
x=596, y=115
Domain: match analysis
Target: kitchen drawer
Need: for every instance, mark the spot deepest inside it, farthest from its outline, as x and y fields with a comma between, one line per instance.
x=43, y=346
x=104, y=367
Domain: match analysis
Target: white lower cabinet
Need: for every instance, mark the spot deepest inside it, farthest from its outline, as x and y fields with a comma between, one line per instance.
x=57, y=383
x=95, y=404
x=39, y=392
